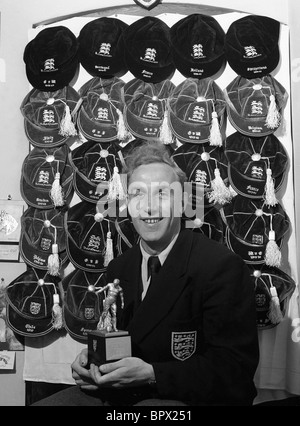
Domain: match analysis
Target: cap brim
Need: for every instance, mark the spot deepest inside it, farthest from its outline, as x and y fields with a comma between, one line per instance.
x=250, y=127
x=41, y=199
x=82, y=259
x=94, y=131
x=252, y=68
x=148, y=73
x=87, y=190
x=51, y=82
x=26, y=326
x=42, y=138
x=250, y=253
x=77, y=328
x=198, y=69
x=141, y=128
x=250, y=187
x=37, y=258
x=191, y=133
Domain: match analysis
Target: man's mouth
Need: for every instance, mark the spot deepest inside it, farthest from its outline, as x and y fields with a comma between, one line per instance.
x=152, y=221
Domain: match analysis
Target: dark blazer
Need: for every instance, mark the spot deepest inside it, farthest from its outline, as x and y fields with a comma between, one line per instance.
x=197, y=323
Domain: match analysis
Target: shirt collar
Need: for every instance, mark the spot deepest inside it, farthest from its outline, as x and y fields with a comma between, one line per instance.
x=164, y=254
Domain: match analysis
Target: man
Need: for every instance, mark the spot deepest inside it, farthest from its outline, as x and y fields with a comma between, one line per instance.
x=193, y=328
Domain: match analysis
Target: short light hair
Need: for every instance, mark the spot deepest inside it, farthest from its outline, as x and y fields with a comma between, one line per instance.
x=151, y=152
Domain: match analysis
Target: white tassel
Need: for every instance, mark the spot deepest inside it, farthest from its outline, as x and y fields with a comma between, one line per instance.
x=165, y=134
x=115, y=187
x=274, y=314
x=109, y=254
x=215, y=138
x=273, y=253
x=57, y=316
x=123, y=133
x=270, y=196
x=56, y=192
x=220, y=193
x=273, y=117
x=53, y=261
x=67, y=127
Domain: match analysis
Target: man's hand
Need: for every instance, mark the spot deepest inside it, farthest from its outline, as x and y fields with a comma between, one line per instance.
x=80, y=373
x=124, y=373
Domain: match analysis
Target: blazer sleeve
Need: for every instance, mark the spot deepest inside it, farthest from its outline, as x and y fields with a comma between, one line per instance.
x=222, y=372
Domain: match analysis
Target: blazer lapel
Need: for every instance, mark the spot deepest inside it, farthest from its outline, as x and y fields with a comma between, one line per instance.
x=164, y=292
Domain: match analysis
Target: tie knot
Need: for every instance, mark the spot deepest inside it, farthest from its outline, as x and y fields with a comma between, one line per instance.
x=153, y=265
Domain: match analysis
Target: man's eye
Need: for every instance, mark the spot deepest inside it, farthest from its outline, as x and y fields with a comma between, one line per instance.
x=136, y=193
x=162, y=193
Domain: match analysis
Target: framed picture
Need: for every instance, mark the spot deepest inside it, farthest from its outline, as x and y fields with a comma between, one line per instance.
x=10, y=229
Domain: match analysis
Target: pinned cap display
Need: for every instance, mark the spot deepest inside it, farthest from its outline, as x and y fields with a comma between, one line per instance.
x=251, y=45
x=255, y=107
x=256, y=165
x=147, y=50
x=273, y=289
x=254, y=230
x=47, y=178
x=207, y=167
x=197, y=112
x=51, y=59
x=145, y=111
x=94, y=163
x=82, y=305
x=101, y=115
x=89, y=237
x=209, y=224
x=34, y=304
x=50, y=117
x=43, y=239
x=101, y=47
x=198, y=46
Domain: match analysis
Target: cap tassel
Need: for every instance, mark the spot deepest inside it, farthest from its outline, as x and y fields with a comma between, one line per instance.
x=270, y=196
x=220, y=193
x=273, y=117
x=273, y=253
x=67, y=127
x=115, y=187
x=215, y=138
x=56, y=192
x=53, y=261
x=57, y=317
x=274, y=314
x=165, y=134
x=109, y=254
x=123, y=133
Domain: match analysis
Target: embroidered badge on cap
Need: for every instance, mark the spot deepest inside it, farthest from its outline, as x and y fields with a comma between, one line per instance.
x=251, y=45
x=183, y=344
x=94, y=164
x=146, y=109
x=255, y=106
x=34, y=304
x=101, y=115
x=198, y=46
x=273, y=288
x=82, y=304
x=101, y=47
x=51, y=59
x=196, y=112
x=49, y=118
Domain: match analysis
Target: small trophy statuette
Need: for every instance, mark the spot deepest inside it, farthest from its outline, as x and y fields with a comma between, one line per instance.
x=107, y=343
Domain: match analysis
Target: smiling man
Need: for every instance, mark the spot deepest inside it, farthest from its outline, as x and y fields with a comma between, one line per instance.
x=189, y=307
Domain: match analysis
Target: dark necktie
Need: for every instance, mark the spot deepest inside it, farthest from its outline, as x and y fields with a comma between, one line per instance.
x=153, y=267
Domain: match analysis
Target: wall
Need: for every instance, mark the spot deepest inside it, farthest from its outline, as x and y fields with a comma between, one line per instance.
x=17, y=17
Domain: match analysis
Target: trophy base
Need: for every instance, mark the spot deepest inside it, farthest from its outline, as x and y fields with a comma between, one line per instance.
x=104, y=347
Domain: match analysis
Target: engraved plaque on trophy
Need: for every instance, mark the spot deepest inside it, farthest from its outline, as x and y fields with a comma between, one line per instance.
x=107, y=343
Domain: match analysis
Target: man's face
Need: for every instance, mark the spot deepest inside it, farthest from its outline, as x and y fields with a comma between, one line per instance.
x=155, y=205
